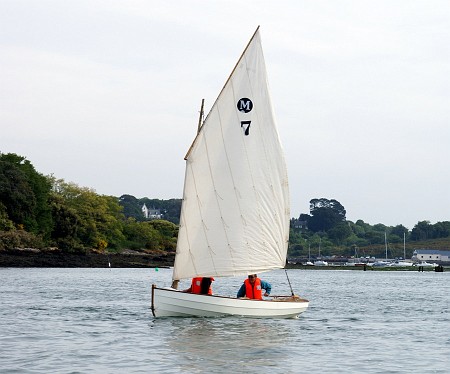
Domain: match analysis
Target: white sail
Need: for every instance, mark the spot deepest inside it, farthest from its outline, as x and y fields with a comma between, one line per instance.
x=235, y=211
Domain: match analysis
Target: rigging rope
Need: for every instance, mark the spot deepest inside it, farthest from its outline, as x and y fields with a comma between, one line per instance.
x=292, y=291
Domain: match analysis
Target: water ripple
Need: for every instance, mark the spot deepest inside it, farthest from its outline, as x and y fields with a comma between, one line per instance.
x=97, y=321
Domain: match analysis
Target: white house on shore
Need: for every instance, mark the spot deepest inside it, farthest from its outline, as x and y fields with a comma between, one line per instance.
x=431, y=255
x=151, y=213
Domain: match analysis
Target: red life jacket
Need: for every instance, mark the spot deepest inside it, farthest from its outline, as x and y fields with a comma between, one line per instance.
x=196, y=286
x=253, y=291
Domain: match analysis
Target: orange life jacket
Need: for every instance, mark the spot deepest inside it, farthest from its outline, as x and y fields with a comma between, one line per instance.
x=196, y=286
x=253, y=291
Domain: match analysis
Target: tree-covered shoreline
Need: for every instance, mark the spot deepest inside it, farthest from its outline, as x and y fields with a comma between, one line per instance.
x=38, y=211
x=58, y=218
x=325, y=231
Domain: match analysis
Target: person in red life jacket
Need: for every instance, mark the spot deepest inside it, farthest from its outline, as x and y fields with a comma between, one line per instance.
x=253, y=288
x=201, y=286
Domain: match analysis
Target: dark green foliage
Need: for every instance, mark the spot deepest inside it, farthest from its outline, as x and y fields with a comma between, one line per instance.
x=424, y=230
x=171, y=209
x=166, y=228
x=5, y=223
x=339, y=232
x=339, y=236
x=66, y=221
x=140, y=235
x=399, y=230
x=374, y=237
x=16, y=195
x=24, y=193
x=19, y=239
x=325, y=214
x=89, y=219
x=37, y=211
x=150, y=235
x=131, y=207
x=168, y=231
x=441, y=229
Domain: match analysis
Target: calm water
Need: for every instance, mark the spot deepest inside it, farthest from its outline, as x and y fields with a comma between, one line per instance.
x=99, y=321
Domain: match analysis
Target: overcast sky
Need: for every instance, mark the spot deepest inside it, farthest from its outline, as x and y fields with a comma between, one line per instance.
x=106, y=94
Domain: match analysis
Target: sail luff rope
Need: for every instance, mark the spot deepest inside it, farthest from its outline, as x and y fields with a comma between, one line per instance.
x=226, y=82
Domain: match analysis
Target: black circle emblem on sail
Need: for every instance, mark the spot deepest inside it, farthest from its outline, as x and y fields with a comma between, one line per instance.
x=244, y=105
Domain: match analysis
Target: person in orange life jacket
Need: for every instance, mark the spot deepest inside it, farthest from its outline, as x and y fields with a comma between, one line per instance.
x=253, y=286
x=201, y=286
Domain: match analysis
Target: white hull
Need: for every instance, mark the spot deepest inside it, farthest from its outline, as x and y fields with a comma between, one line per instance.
x=426, y=264
x=167, y=302
x=402, y=264
x=381, y=264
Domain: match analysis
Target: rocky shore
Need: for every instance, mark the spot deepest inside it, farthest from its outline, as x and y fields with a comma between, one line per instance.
x=29, y=257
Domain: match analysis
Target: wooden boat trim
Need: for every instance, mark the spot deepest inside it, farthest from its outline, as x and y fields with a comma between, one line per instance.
x=277, y=298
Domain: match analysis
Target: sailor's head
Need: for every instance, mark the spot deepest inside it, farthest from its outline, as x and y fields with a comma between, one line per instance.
x=252, y=278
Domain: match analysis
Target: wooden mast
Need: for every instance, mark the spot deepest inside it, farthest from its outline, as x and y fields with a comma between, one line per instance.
x=200, y=118
x=199, y=126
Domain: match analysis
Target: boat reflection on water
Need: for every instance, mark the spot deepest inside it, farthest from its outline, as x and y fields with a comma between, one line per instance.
x=216, y=341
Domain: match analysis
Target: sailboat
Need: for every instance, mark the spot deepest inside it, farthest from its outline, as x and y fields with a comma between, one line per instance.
x=381, y=263
x=320, y=262
x=403, y=263
x=235, y=210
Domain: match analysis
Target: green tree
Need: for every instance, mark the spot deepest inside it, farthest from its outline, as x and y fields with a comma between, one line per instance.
x=168, y=231
x=358, y=229
x=99, y=217
x=24, y=193
x=422, y=231
x=131, y=207
x=5, y=223
x=399, y=230
x=325, y=214
x=379, y=227
x=339, y=232
x=374, y=237
x=170, y=209
x=66, y=222
x=140, y=235
x=441, y=229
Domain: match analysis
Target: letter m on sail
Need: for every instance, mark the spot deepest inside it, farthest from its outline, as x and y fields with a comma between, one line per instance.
x=244, y=105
